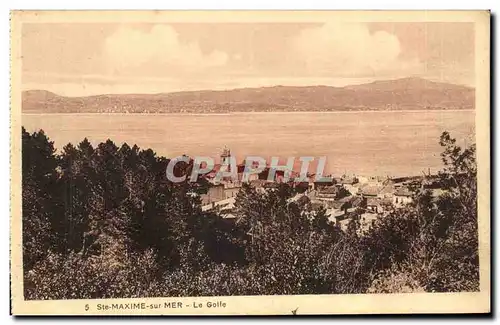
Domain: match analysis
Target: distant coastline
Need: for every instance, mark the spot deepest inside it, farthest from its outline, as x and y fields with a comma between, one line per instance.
x=261, y=112
x=407, y=94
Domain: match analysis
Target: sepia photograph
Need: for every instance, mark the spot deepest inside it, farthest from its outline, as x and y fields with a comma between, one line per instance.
x=289, y=162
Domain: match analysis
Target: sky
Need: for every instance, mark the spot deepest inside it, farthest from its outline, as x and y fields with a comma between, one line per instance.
x=79, y=59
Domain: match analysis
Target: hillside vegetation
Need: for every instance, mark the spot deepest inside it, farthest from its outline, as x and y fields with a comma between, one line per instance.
x=105, y=222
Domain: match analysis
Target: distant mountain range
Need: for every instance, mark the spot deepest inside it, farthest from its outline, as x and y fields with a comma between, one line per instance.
x=400, y=94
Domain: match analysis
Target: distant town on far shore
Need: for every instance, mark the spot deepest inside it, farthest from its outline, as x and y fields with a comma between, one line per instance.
x=383, y=95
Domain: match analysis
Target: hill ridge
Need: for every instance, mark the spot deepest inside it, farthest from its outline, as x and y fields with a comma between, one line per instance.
x=395, y=94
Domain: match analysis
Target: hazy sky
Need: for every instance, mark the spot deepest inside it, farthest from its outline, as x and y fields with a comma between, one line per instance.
x=82, y=59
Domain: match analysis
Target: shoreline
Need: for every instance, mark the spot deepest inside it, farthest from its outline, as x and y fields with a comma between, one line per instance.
x=263, y=112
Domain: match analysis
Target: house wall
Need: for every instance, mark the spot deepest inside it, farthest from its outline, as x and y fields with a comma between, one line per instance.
x=351, y=188
x=398, y=200
x=231, y=192
x=214, y=194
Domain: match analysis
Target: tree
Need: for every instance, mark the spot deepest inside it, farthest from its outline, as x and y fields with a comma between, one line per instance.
x=39, y=185
x=342, y=193
x=107, y=222
x=434, y=242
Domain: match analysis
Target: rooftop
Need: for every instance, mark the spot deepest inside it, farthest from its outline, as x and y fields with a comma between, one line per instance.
x=373, y=201
x=403, y=191
x=226, y=204
x=371, y=190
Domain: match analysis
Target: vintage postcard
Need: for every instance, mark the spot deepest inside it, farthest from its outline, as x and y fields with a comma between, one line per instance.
x=250, y=162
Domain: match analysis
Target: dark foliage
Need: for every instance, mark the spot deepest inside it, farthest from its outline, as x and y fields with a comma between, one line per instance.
x=104, y=221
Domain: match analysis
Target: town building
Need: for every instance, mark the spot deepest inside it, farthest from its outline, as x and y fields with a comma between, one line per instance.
x=402, y=196
x=226, y=208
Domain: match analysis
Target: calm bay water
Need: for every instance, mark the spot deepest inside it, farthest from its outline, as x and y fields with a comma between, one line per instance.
x=367, y=143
